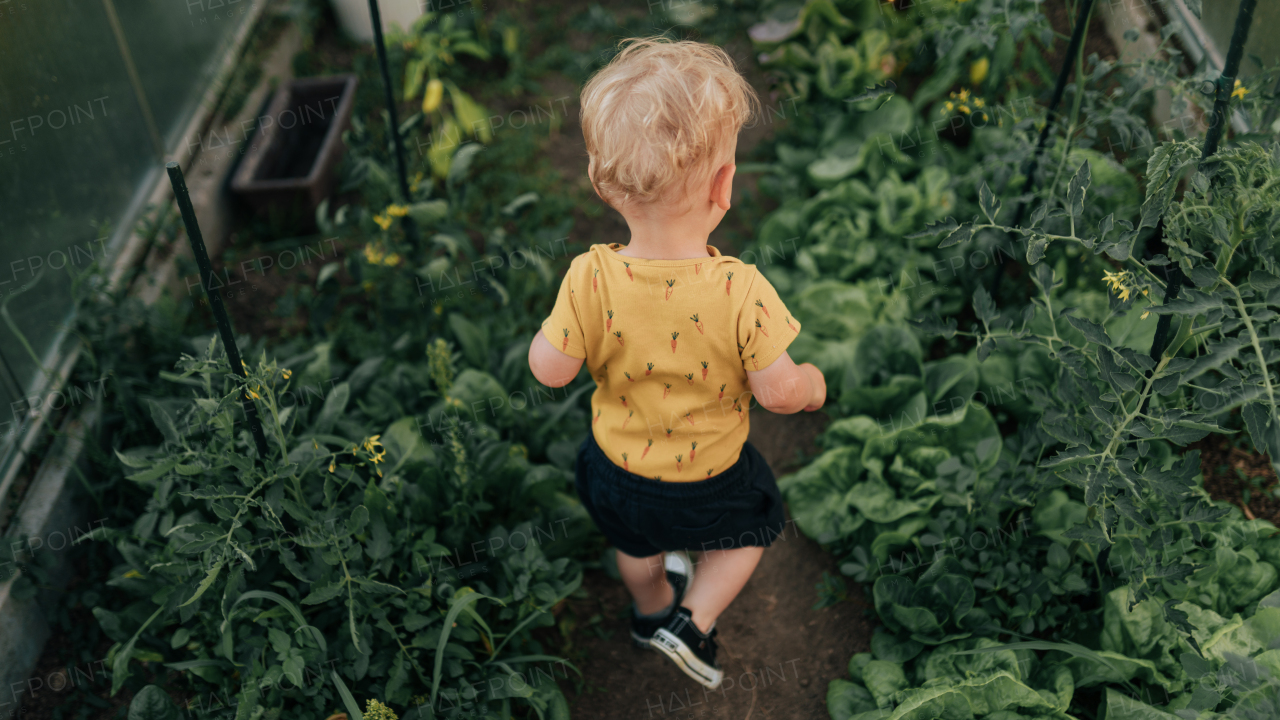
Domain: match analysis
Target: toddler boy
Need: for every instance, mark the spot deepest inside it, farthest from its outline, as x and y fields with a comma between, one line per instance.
x=679, y=338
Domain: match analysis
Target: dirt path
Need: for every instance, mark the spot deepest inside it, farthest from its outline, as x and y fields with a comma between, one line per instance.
x=777, y=652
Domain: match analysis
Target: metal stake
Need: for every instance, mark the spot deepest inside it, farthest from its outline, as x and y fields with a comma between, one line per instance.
x=378, y=42
x=183, y=197
x=1068, y=62
x=1223, y=87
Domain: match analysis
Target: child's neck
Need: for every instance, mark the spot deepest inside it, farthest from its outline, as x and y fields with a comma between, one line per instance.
x=666, y=239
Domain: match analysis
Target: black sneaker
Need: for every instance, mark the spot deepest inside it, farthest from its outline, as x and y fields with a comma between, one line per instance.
x=692, y=651
x=679, y=569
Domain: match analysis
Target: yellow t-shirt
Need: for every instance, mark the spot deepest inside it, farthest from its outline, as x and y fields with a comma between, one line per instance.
x=669, y=343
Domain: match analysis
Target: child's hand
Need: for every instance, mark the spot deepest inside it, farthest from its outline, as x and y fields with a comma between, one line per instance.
x=819, y=387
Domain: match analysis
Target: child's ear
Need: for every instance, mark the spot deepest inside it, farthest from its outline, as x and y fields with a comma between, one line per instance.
x=722, y=186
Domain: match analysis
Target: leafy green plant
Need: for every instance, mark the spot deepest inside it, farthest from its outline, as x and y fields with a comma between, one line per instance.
x=1094, y=502
x=327, y=555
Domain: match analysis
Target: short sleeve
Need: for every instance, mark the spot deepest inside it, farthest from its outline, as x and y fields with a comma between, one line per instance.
x=562, y=327
x=765, y=326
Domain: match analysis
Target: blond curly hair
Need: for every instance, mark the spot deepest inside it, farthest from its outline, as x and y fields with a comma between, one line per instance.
x=660, y=114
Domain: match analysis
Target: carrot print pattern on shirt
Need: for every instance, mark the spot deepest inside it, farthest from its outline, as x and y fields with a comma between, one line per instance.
x=694, y=402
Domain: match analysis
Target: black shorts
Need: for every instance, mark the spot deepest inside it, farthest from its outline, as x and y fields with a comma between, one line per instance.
x=740, y=507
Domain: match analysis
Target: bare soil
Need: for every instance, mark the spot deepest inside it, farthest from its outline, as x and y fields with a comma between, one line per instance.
x=1230, y=471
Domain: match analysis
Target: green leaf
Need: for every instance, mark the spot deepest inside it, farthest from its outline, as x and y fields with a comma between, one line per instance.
x=1194, y=665
x=152, y=703
x=1263, y=280
x=472, y=338
x=989, y=203
x=359, y=519
x=1077, y=188
x=979, y=696
x=457, y=605
x=429, y=212
x=1191, y=302
x=462, y=159
x=957, y=236
x=290, y=608
x=378, y=588
x=334, y=405
x=379, y=546
x=984, y=306
x=818, y=494
x=1092, y=331
x=886, y=647
x=164, y=421
x=204, y=584
x=1264, y=428
x=1035, y=249
x=557, y=705
x=132, y=461
x=324, y=593
x=353, y=709
x=846, y=699
x=1122, y=707
x=120, y=668
x=883, y=679
x=156, y=472
x=474, y=120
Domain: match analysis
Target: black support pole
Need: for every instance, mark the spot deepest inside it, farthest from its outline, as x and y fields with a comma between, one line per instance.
x=1059, y=89
x=1224, y=86
x=376, y=16
x=183, y=197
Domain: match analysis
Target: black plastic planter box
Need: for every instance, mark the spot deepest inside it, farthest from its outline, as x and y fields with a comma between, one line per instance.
x=291, y=162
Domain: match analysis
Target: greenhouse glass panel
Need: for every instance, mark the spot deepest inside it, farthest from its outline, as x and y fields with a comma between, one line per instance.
x=78, y=152
x=1219, y=18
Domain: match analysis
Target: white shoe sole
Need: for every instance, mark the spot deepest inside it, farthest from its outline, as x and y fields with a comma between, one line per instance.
x=683, y=657
x=680, y=563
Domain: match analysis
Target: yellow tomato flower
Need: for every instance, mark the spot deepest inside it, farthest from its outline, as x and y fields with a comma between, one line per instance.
x=397, y=210
x=1239, y=90
x=374, y=254
x=383, y=221
x=332, y=464
x=978, y=71
x=287, y=373
x=133, y=574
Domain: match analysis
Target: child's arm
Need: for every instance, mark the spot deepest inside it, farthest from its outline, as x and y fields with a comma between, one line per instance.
x=550, y=366
x=787, y=388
